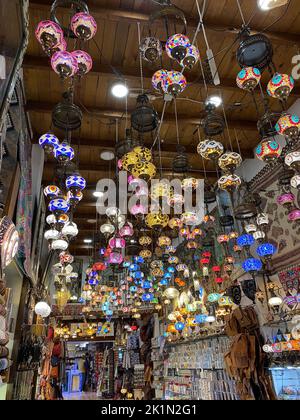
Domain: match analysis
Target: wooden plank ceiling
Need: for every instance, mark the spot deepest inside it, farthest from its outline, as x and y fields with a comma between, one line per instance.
x=117, y=38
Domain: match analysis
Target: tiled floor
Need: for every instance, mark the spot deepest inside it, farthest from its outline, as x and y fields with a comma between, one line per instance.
x=81, y=396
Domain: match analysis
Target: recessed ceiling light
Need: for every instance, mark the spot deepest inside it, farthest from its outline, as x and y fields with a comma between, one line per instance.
x=214, y=100
x=107, y=155
x=88, y=241
x=98, y=194
x=120, y=90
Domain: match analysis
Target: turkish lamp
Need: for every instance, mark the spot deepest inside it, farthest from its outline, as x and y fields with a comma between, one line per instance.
x=70, y=229
x=171, y=293
x=51, y=234
x=42, y=309
x=275, y=302
x=59, y=245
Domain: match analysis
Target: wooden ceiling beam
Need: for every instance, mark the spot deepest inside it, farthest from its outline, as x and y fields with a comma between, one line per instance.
x=45, y=107
x=132, y=74
x=221, y=28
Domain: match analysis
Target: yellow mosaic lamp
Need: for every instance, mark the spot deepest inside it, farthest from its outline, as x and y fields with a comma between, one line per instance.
x=144, y=170
x=230, y=161
x=146, y=254
x=157, y=220
x=129, y=160
x=145, y=240
x=164, y=241
x=210, y=149
x=229, y=183
x=143, y=153
x=159, y=190
x=175, y=223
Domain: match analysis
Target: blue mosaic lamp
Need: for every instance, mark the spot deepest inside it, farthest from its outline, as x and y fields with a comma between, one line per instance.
x=245, y=240
x=75, y=183
x=266, y=250
x=64, y=152
x=179, y=326
x=147, y=297
x=48, y=142
x=200, y=319
x=252, y=265
x=146, y=284
x=59, y=206
x=51, y=191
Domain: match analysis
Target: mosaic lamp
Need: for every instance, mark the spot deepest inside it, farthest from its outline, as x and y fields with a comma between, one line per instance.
x=150, y=49
x=144, y=170
x=210, y=149
x=64, y=64
x=266, y=250
x=174, y=83
x=64, y=153
x=117, y=243
x=51, y=234
x=248, y=78
x=42, y=309
x=295, y=182
x=229, y=183
x=158, y=78
x=75, y=183
x=48, y=142
x=190, y=184
x=293, y=160
x=84, y=26
x=286, y=200
x=252, y=265
x=126, y=231
x=294, y=215
x=84, y=62
x=49, y=35
x=268, y=151
x=59, y=245
x=280, y=86
x=74, y=198
x=59, y=206
x=230, y=161
x=245, y=241
x=52, y=191
x=176, y=47
x=191, y=58
x=70, y=229
x=289, y=126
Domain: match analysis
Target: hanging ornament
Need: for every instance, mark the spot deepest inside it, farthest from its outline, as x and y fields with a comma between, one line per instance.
x=75, y=183
x=151, y=49
x=74, y=198
x=50, y=35
x=84, y=26
x=59, y=206
x=64, y=153
x=70, y=229
x=64, y=64
x=48, y=142
x=52, y=191
x=289, y=126
x=252, y=265
x=176, y=47
x=248, y=78
x=295, y=182
x=280, y=86
x=191, y=58
x=269, y=150
x=84, y=62
x=210, y=149
x=158, y=79
x=229, y=183
x=174, y=83
x=230, y=161
x=293, y=160
x=157, y=220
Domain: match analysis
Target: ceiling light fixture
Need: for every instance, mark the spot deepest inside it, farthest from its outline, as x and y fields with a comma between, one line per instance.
x=98, y=194
x=107, y=155
x=214, y=101
x=88, y=241
x=119, y=90
x=271, y=4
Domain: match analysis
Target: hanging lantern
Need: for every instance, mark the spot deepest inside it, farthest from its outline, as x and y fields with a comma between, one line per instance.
x=223, y=239
x=268, y=151
x=210, y=149
x=295, y=182
x=138, y=210
x=160, y=190
x=158, y=79
x=280, y=86
x=259, y=235
x=59, y=206
x=266, y=250
x=66, y=258
x=176, y=200
x=248, y=78
x=126, y=231
x=146, y=254
x=51, y=219
x=262, y=219
x=49, y=35
x=144, y=118
x=175, y=223
x=294, y=215
x=51, y=234
x=252, y=265
x=164, y=241
x=129, y=160
x=288, y=125
x=52, y=191
x=171, y=293
x=229, y=182
x=150, y=49
x=75, y=198
x=107, y=229
x=59, y=245
x=70, y=229
x=191, y=58
x=189, y=219
x=64, y=153
x=75, y=183
x=174, y=83
x=293, y=160
x=286, y=200
x=190, y=184
x=117, y=243
x=250, y=229
x=230, y=161
x=144, y=170
x=157, y=220
x=64, y=64
x=84, y=62
x=48, y=142
x=245, y=241
x=115, y=258
x=176, y=47
x=84, y=26
x=145, y=241
x=144, y=154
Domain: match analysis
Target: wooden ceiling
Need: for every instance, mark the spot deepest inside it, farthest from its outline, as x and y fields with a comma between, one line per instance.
x=117, y=39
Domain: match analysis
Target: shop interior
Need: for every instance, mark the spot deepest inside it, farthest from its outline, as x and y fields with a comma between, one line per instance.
x=150, y=200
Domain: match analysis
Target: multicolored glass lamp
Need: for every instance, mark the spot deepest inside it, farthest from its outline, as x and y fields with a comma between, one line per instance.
x=191, y=58
x=49, y=35
x=64, y=64
x=266, y=250
x=64, y=153
x=75, y=183
x=252, y=265
x=48, y=142
x=230, y=161
x=52, y=191
x=248, y=78
x=210, y=149
x=280, y=86
x=84, y=62
x=269, y=150
x=289, y=126
x=158, y=78
x=59, y=206
x=84, y=26
x=174, y=83
x=176, y=47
